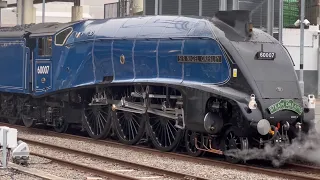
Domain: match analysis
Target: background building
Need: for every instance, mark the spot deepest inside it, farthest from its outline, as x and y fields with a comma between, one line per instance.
x=57, y=11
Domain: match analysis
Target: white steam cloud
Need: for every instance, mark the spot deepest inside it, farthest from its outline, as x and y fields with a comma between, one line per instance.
x=305, y=149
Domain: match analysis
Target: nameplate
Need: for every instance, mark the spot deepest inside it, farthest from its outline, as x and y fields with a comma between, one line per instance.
x=200, y=59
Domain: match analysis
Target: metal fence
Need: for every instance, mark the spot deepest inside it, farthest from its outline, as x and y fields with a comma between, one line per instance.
x=260, y=12
x=291, y=12
x=210, y=7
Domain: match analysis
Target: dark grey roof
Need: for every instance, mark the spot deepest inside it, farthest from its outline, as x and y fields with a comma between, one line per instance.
x=14, y=32
x=42, y=29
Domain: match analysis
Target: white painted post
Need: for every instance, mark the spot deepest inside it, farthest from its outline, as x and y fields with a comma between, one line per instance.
x=4, y=148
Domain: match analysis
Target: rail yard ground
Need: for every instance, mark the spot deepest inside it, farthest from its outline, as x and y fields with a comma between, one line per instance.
x=46, y=167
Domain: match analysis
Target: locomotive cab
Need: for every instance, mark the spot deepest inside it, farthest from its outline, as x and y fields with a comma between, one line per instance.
x=46, y=48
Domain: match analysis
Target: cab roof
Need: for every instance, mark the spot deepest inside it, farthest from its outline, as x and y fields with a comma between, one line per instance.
x=35, y=30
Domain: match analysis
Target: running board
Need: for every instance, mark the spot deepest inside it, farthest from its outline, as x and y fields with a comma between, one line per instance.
x=156, y=96
x=176, y=114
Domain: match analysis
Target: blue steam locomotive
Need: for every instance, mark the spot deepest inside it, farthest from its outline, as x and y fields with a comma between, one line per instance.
x=209, y=84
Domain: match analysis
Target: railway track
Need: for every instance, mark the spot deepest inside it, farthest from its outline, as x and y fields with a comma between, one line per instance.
x=156, y=171
x=248, y=168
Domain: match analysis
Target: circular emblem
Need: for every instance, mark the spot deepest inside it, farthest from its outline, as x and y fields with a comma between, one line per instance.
x=279, y=89
x=122, y=59
x=43, y=80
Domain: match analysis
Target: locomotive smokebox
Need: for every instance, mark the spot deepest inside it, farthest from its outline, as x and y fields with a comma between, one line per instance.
x=263, y=126
x=213, y=123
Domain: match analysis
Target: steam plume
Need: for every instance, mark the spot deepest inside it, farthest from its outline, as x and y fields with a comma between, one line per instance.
x=307, y=148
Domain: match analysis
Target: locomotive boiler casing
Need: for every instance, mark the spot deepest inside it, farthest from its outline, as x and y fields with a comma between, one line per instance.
x=156, y=50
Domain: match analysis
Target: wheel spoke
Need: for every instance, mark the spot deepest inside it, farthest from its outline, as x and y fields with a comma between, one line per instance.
x=131, y=129
x=102, y=117
x=135, y=124
x=99, y=124
x=102, y=120
x=171, y=133
x=168, y=135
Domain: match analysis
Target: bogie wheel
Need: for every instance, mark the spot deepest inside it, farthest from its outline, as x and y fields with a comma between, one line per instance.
x=28, y=112
x=61, y=125
x=96, y=119
x=234, y=145
x=163, y=134
x=28, y=121
x=9, y=109
x=190, y=143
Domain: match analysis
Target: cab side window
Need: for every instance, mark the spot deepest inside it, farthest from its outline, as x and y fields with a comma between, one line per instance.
x=61, y=37
x=45, y=46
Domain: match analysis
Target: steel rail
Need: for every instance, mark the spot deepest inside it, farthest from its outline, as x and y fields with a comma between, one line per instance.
x=206, y=161
x=86, y=168
x=303, y=168
x=109, y=159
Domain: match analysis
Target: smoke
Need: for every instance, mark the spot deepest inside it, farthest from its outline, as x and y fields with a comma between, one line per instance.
x=305, y=148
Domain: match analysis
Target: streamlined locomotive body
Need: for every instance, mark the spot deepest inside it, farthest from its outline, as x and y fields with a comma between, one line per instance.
x=211, y=84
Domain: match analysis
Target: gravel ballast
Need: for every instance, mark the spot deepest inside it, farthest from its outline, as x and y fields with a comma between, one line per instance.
x=195, y=169
x=91, y=162
x=50, y=167
x=7, y=174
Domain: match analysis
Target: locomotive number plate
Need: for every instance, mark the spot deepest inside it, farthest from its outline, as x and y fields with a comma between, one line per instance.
x=265, y=55
x=200, y=59
x=284, y=104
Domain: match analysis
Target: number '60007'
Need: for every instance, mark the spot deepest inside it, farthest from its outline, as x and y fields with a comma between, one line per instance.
x=43, y=69
x=266, y=55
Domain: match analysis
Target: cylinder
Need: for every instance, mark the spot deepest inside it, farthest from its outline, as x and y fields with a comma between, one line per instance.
x=212, y=123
